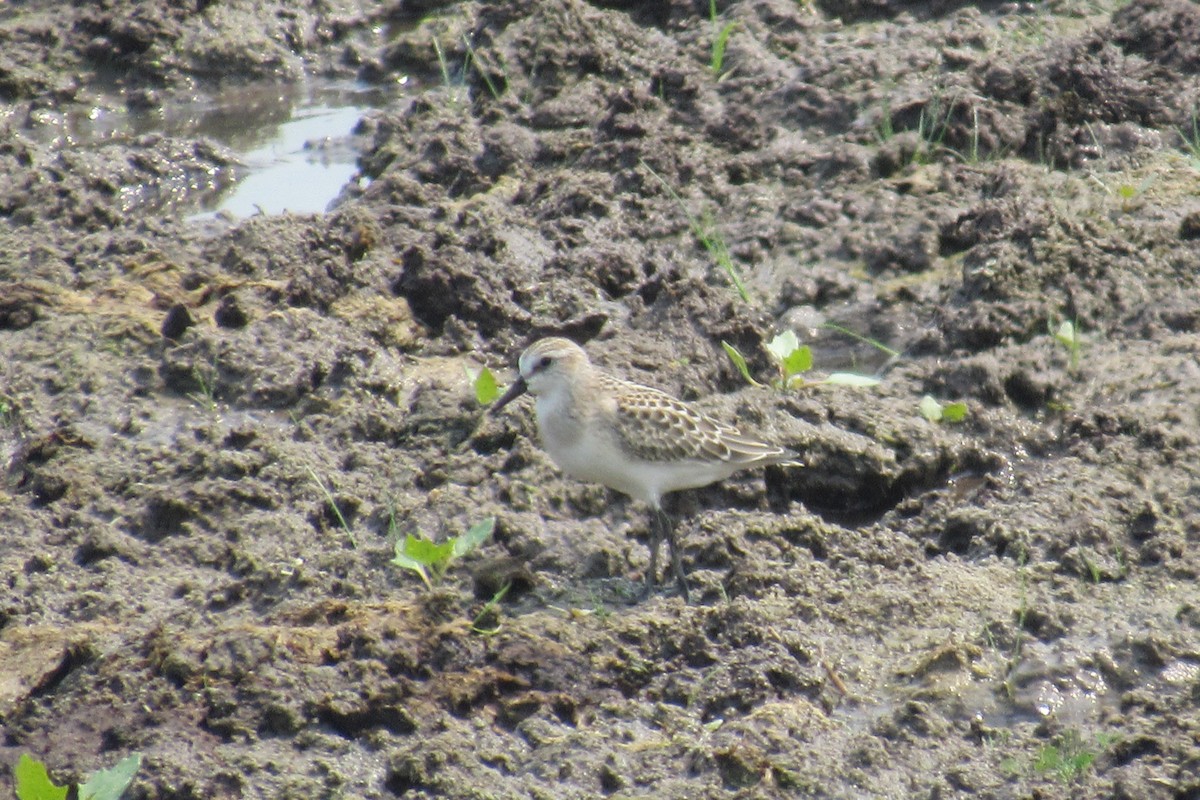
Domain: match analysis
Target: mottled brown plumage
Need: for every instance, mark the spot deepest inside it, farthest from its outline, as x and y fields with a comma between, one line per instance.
x=632, y=438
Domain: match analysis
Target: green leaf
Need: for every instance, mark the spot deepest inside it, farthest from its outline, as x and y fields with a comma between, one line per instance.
x=408, y=562
x=851, y=379
x=110, y=784
x=719, y=44
x=420, y=555
x=1066, y=334
x=783, y=345
x=486, y=388
x=426, y=552
x=476, y=536
x=931, y=409
x=954, y=412
x=739, y=361
x=33, y=782
x=798, y=361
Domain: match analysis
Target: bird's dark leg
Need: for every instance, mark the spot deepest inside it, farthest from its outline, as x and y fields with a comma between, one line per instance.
x=656, y=532
x=668, y=529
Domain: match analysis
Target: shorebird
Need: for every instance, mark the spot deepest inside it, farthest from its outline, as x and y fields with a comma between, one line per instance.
x=637, y=440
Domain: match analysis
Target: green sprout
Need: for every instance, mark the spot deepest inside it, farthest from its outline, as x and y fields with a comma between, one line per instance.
x=206, y=398
x=8, y=410
x=793, y=359
x=490, y=608
x=473, y=60
x=790, y=356
x=934, y=411
x=1018, y=647
x=878, y=345
x=33, y=782
x=720, y=40
x=1069, y=337
x=1192, y=141
x=431, y=559
x=705, y=230
x=484, y=383
x=739, y=361
x=337, y=512
x=1069, y=756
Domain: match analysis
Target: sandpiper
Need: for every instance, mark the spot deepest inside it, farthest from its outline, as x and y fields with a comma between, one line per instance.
x=637, y=440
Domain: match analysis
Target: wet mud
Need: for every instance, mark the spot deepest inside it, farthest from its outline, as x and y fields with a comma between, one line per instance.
x=213, y=433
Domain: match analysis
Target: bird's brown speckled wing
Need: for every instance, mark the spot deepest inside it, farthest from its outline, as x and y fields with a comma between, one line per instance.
x=653, y=426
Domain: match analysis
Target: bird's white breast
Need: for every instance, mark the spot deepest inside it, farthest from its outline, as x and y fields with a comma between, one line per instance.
x=587, y=448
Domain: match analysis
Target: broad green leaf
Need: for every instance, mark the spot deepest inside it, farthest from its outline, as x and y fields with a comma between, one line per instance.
x=420, y=555
x=851, y=379
x=423, y=551
x=486, y=388
x=33, y=782
x=798, y=361
x=739, y=361
x=954, y=412
x=476, y=536
x=110, y=784
x=931, y=409
x=783, y=346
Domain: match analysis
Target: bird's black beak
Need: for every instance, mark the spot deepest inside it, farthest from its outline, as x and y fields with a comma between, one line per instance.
x=518, y=388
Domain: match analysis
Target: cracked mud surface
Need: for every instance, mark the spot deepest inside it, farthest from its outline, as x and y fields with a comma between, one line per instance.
x=925, y=610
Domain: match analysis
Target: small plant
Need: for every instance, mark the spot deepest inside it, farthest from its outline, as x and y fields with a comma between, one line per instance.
x=1069, y=756
x=337, y=512
x=430, y=559
x=933, y=124
x=878, y=345
x=792, y=360
x=206, y=398
x=447, y=81
x=472, y=60
x=484, y=383
x=705, y=230
x=739, y=361
x=1191, y=141
x=1067, y=334
x=934, y=411
x=33, y=782
x=1014, y=657
x=721, y=34
x=885, y=129
x=489, y=608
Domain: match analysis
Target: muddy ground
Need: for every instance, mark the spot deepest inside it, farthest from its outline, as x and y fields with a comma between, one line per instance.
x=1003, y=607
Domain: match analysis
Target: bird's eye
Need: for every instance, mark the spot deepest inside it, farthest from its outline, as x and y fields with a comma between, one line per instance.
x=543, y=362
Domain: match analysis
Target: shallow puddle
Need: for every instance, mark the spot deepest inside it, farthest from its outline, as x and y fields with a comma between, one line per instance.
x=294, y=143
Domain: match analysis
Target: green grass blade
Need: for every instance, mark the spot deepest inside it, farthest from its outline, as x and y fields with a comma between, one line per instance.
x=878, y=345
x=719, y=45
